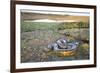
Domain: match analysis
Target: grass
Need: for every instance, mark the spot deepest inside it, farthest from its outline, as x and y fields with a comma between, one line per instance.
x=35, y=36
x=31, y=26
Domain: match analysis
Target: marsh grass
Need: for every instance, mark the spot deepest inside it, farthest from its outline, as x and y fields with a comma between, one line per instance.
x=35, y=36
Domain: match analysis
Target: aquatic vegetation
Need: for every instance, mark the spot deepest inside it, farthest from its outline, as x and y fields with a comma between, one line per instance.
x=38, y=41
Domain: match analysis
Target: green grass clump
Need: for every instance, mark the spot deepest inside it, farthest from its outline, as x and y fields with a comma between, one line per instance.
x=31, y=26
